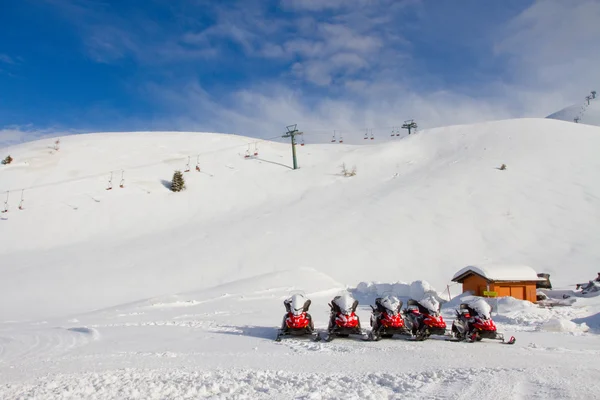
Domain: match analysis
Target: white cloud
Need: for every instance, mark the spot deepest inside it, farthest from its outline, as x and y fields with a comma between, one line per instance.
x=553, y=51
x=351, y=64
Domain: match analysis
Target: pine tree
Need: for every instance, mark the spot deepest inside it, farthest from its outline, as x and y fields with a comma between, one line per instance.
x=7, y=160
x=178, y=183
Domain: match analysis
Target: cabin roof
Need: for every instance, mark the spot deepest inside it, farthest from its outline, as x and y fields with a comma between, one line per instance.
x=498, y=272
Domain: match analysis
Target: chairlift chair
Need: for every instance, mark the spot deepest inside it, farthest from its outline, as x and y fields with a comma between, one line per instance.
x=5, y=210
x=21, y=207
x=122, y=183
x=110, y=182
x=255, y=149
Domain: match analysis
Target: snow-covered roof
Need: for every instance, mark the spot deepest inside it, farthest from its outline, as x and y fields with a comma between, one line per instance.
x=499, y=272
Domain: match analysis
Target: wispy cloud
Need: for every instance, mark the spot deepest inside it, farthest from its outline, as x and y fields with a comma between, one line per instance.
x=343, y=64
x=553, y=50
x=12, y=135
x=6, y=59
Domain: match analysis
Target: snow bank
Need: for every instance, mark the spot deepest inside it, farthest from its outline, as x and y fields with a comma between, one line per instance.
x=563, y=325
x=416, y=290
x=593, y=322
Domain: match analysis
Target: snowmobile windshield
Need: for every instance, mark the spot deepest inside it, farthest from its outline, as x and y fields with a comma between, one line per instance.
x=481, y=307
x=297, y=304
x=431, y=304
x=390, y=303
x=345, y=302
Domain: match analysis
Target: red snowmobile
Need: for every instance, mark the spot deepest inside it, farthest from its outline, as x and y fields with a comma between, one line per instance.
x=425, y=318
x=343, y=319
x=386, y=319
x=297, y=321
x=474, y=322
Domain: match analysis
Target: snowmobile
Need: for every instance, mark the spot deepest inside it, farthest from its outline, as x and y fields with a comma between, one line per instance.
x=296, y=321
x=343, y=320
x=424, y=318
x=386, y=319
x=590, y=287
x=473, y=322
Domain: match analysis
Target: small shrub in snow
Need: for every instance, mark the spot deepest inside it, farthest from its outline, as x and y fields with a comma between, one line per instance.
x=346, y=171
x=7, y=160
x=502, y=167
x=178, y=183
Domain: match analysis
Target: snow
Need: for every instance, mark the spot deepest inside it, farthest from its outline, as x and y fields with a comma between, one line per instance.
x=481, y=307
x=587, y=114
x=138, y=292
x=563, y=325
x=345, y=302
x=501, y=272
x=414, y=290
x=430, y=303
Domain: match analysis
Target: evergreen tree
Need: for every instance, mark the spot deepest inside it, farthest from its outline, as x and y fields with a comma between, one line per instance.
x=178, y=183
x=7, y=160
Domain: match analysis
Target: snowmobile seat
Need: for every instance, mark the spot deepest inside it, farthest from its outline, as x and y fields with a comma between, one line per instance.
x=465, y=307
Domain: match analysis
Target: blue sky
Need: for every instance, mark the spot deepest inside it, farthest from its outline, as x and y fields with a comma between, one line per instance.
x=252, y=67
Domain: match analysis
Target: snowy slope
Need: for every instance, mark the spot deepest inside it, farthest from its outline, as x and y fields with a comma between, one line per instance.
x=587, y=114
x=419, y=208
x=143, y=293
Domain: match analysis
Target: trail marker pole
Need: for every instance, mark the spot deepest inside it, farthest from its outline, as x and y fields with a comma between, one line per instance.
x=291, y=133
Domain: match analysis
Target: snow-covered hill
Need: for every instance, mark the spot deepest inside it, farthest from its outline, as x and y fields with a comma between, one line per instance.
x=138, y=292
x=419, y=208
x=585, y=113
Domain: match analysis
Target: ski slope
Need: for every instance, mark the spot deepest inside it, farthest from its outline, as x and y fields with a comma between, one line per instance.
x=141, y=292
x=588, y=114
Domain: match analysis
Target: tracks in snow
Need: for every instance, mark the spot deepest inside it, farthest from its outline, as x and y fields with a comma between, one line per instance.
x=242, y=384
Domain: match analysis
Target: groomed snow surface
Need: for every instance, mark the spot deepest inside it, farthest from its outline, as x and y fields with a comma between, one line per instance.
x=139, y=292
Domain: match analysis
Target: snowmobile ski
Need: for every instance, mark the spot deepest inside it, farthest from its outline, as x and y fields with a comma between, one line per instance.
x=281, y=335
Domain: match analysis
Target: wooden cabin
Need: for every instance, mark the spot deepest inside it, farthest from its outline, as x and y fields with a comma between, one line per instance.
x=518, y=281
